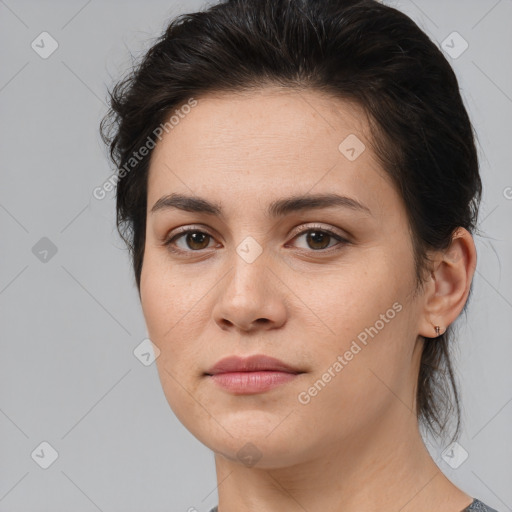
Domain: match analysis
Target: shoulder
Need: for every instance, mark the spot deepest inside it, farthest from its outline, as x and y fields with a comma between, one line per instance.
x=476, y=506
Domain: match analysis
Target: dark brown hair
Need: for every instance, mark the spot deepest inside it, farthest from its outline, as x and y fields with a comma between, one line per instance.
x=356, y=50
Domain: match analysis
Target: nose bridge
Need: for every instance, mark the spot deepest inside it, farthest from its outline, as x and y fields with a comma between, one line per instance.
x=248, y=278
x=246, y=299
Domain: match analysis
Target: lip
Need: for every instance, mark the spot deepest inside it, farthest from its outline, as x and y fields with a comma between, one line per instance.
x=251, y=375
x=255, y=363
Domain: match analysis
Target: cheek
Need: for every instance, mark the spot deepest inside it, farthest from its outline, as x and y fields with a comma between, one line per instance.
x=365, y=321
x=174, y=305
x=154, y=294
x=351, y=299
x=172, y=318
x=166, y=296
x=361, y=375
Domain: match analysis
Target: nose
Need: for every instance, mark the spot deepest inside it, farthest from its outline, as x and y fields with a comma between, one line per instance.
x=250, y=297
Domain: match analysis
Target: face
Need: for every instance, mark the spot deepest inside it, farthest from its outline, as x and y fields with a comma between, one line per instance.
x=327, y=287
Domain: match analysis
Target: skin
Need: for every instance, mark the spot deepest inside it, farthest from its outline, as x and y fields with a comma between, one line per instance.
x=299, y=302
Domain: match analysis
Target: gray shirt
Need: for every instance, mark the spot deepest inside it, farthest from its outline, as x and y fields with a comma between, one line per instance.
x=476, y=506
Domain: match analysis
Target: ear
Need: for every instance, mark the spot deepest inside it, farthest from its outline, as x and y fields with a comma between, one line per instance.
x=447, y=288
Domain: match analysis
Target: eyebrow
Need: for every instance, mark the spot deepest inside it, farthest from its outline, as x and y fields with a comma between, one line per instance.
x=278, y=208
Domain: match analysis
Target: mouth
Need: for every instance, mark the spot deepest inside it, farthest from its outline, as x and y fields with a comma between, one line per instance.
x=255, y=363
x=246, y=383
x=251, y=375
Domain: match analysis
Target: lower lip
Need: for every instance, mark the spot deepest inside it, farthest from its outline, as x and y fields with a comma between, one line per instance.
x=251, y=382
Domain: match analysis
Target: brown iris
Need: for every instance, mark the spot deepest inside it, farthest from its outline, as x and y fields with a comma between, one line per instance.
x=318, y=237
x=196, y=238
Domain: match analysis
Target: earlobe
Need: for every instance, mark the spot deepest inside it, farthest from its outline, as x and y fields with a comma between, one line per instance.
x=449, y=284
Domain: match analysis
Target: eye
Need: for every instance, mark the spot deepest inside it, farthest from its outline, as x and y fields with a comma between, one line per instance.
x=318, y=238
x=192, y=239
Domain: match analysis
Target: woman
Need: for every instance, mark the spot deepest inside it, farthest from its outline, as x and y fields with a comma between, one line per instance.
x=298, y=185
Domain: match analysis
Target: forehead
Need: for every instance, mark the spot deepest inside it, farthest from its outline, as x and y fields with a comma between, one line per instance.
x=274, y=119
x=270, y=140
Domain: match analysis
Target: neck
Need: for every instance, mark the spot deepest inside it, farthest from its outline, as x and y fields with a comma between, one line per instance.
x=386, y=468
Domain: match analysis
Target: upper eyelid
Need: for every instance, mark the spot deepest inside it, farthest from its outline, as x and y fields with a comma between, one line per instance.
x=330, y=229
x=298, y=230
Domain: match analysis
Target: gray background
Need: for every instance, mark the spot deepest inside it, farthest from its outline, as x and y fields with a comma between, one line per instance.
x=71, y=320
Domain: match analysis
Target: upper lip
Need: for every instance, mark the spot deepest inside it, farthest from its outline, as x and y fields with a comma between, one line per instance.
x=250, y=364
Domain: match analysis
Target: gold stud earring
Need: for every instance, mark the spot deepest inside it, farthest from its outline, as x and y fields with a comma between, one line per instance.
x=438, y=330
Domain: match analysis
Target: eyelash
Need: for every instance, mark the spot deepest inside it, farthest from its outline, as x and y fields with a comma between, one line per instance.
x=169, y=243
